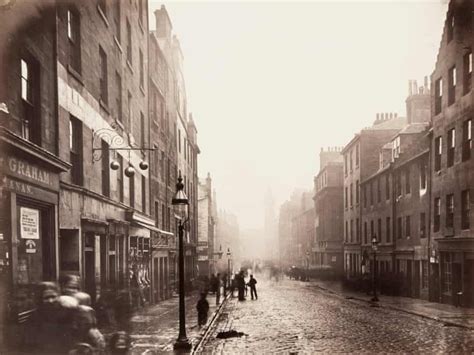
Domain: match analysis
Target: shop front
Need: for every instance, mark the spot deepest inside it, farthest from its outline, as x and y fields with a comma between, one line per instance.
x=162, y=243
x=29, y=223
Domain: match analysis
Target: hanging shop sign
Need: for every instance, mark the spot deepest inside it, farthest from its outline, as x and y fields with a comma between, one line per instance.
x=29, y=223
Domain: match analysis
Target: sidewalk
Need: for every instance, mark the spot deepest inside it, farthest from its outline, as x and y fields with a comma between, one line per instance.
x=448, y=314
x=155, y=328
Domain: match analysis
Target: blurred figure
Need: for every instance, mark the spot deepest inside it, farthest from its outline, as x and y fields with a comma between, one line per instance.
x=120, y=343
x=218, y=289
x=83, y=298
x=70, y=284
x=122, y=306
x=86, y=329
x=203, y=310
x=253, y=289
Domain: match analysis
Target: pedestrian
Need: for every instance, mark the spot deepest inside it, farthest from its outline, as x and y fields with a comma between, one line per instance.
x=241, y=286
x=218, y=289
x=70, y=284
x=202, y=310
x=253, y=290
x=86, y=329
x=120, y=343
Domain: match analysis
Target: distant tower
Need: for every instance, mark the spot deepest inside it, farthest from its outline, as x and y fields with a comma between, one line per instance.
x=270, y=225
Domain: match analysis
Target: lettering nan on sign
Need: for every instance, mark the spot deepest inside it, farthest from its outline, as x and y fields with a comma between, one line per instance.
x=29, y=223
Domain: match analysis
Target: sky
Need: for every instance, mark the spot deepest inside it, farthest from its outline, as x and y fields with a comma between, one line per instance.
x=271, y=83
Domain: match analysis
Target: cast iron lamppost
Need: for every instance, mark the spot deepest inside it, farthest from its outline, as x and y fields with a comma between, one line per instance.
x=374, y=273
x=181, y=202
x=307, y=265
x=228, y=266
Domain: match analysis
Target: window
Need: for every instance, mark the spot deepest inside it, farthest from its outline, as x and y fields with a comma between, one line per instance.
x=347, y=232
x=179, y=140
x=143, y=194
x=129, y=42
x=74, y=36
x=350, y=199
x=372, y=230
x=379, y=192
x=467, y=72
x=357, y=156
x=447, y=266
x=437, y=153
x=438, y=95
x=451, y=85
x=162, y=167
x=451, y=147
x=30, y=94
x=350, y=161
x=345, y=165
x=131, y=190
x=387, y=229
x=357, y=192
x=157, y=214
x=346, y=197
x=423, y=175
x=395, y=148
x=103, y=6
x=118, y=100
x=142, y=72
x=365, y=232
x=449, y=210
x=105, y=169
x=357, y=230
x=398, y=183
x=407, y=226
x=407, y=180
x=352, y=231
x=450, y=27
x=365, y=195
x=103, y=75
x=466, y=139
x=379, y=229
x=129, y=106
x=387, y=187
x=117, y=19
x=465, y=209
x=120, y=178
x=422, y=225
x=163, y=217
x=75, y=148
x=142, y=130
x=399, y=228
x=437, y=214
x=371, y=187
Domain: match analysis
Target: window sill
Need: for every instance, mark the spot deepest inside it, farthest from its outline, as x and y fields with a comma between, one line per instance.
x=102, y=15
x=117, y=43
x=129, y=65
x=75, y=74
x=104, y=106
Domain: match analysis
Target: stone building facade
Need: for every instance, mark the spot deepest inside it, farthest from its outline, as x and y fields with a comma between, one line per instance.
x=452, y=173
x=207, y=221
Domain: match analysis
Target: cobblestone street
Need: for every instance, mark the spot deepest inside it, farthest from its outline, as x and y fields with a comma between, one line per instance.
x=293, y=316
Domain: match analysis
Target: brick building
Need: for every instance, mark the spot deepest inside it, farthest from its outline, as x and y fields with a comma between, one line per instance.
x=452, y=173
x=361, y=160
x=327, y=246
x=302, y=230
x=207, y=219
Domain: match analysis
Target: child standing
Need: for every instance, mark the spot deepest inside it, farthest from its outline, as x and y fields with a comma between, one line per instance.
x=202, y=309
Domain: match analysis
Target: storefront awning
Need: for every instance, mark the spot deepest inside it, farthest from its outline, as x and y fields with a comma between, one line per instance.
x=152, y=228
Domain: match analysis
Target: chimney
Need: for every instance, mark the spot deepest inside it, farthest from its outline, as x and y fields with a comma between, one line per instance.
x=163, y=23
x=426, y=84
x=415, y=87
x=410, y=88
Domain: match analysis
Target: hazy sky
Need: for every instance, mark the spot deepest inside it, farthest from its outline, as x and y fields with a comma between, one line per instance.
x=270, y=83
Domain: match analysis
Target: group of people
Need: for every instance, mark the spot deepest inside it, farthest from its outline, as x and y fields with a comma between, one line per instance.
x=240, y=285
x=65, y=323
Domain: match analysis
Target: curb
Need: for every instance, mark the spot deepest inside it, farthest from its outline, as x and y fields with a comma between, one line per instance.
x=207, y=331
x=384, y=305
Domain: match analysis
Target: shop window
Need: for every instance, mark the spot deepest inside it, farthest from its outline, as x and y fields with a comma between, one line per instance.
x=438, y=153
x=451, y=85
x=105, y=161
x=103, y=76
x=75, y=150
x=74, y=36
x=449, y=210
x=30, y=95
x=437, y=214
x=422, y=225
x=467, y=72
x=438, y=95
x=451, y=147
x=447, y=273
x=466, y=139
x=465, y=209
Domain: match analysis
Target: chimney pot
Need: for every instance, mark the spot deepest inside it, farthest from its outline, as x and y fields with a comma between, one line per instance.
x=409, y=88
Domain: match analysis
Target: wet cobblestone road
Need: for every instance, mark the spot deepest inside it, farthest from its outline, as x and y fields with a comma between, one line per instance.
x=292, y=317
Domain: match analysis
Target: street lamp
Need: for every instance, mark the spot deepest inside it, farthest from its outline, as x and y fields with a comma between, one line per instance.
x=228, y=265
x=307, y=265
x=181, y=202
x=374, y=285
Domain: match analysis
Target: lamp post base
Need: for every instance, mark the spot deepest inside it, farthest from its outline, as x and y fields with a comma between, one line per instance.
x=182, y=344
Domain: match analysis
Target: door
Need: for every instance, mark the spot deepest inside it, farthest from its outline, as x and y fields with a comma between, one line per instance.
x=416, y=279
x=457, y=284
x=409, y=279
x=156, y=282
x=468, y=280
x=89, y=265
